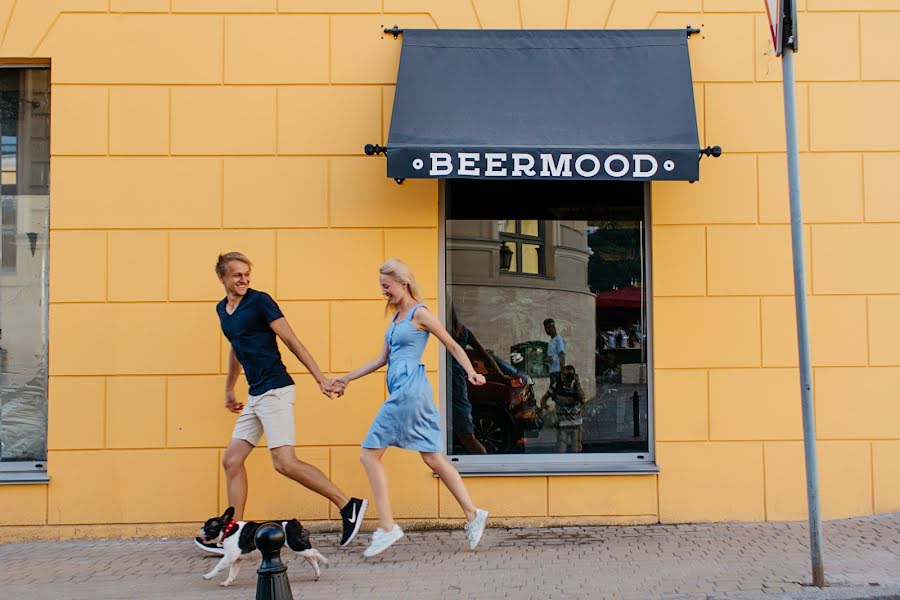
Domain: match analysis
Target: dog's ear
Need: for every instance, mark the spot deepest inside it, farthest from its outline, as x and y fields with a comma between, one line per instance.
x=304, y=535
x=228, y=514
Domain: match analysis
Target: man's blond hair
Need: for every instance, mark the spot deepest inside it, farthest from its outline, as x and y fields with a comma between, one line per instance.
x=224, y=259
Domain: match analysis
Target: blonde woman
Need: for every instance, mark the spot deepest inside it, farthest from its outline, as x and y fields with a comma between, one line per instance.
x=408, y=418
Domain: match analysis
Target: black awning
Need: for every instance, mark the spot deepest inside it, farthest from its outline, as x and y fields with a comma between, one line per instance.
x=506, y=104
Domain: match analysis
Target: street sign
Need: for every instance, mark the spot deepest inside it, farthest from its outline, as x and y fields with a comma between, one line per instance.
x=782, y=23
x=775, y=10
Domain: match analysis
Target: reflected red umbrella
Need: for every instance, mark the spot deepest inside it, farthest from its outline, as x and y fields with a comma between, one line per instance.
x=629, y=297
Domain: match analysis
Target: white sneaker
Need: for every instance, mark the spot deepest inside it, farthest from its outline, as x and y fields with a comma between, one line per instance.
x=475, y=528
x=382, y=540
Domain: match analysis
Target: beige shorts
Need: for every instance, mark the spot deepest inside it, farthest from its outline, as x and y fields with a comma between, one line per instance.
x=272, y=413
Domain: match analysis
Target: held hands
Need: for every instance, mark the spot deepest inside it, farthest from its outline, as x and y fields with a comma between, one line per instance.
x=334, y=386
x=339, y=385
x=326, y=386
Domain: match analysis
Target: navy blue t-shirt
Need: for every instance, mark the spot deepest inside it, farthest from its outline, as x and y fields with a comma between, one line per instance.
x=253, y=340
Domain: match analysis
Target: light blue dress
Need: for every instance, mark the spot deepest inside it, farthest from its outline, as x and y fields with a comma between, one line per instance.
x=408, y=418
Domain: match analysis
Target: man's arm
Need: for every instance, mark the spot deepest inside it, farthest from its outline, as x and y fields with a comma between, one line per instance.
x=234, y=369
x=473, y=341
x=283, y=330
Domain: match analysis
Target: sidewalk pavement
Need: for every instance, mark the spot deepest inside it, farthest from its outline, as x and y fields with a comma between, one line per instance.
x=741, y=561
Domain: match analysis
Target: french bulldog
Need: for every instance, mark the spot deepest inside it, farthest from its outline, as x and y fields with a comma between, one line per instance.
x=238, y=538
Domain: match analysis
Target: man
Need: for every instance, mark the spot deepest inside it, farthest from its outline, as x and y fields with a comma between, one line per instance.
x=556, y=350
x=251, y=320
x=568, y=397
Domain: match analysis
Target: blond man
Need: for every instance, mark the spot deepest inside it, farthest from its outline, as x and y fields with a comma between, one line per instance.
x=252, y=322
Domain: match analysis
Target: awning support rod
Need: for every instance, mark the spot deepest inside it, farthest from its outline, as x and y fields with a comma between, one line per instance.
x=395, y=31
x=714, y=151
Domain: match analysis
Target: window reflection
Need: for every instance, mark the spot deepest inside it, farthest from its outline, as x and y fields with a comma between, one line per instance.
x=24, y=267
x=526, y=241
x=564, y=355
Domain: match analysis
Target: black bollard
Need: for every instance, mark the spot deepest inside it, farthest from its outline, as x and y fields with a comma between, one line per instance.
x=272, y=583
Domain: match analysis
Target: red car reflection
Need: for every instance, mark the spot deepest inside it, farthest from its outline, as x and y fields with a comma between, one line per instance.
x=504, y=409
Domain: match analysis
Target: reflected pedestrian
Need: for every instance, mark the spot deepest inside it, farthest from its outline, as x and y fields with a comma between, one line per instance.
x=463, y=427
x=556, y=350
x=568, y=397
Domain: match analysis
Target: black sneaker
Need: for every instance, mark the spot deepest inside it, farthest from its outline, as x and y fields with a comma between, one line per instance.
x=210, y=546
x=352, y=515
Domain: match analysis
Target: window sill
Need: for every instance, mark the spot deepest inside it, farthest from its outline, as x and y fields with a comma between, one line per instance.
x=557, y=470
x=21, y=478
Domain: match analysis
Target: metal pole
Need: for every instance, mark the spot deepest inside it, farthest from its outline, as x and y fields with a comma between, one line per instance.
x=806, y=395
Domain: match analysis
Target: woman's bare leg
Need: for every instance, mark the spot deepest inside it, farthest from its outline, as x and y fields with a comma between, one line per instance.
x=440, y=465
x=371, y=460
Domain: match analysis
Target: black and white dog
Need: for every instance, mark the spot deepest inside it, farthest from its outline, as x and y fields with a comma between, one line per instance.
x=239, y=538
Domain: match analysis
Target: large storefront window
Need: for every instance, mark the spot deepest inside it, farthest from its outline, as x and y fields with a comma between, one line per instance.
x=565, y=353
x=24, y=203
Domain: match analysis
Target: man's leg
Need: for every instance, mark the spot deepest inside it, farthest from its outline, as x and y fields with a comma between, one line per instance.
x=561, y=441
x=287, y=463
x=236, y=474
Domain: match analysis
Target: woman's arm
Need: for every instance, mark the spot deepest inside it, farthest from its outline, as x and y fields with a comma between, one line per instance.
x=423, y=319
x=580, y=390
x=373, y=365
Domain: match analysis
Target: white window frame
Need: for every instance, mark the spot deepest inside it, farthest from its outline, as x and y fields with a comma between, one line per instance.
x=618, y=463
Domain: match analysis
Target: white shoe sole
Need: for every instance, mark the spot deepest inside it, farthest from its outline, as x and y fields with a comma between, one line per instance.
x=359, y=521
x=219, y=551
x=368, y=553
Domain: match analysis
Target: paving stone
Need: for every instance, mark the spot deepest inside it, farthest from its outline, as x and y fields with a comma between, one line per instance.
x=738, y=561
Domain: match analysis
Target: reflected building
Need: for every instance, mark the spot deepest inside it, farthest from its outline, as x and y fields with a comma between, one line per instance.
x=546, y=277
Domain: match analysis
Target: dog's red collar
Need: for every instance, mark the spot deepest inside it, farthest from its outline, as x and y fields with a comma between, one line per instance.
x=229, y=529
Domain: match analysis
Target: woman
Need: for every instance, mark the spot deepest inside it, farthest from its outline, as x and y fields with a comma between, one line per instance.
x=408, y=418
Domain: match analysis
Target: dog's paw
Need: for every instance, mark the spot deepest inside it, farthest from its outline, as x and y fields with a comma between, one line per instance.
x=225, y=583
x=207, y=576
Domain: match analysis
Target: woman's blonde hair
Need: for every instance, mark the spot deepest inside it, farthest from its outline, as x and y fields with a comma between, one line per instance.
x=400, y=271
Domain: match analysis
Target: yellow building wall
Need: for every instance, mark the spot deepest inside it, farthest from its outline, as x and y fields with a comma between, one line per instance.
x=184, y=128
